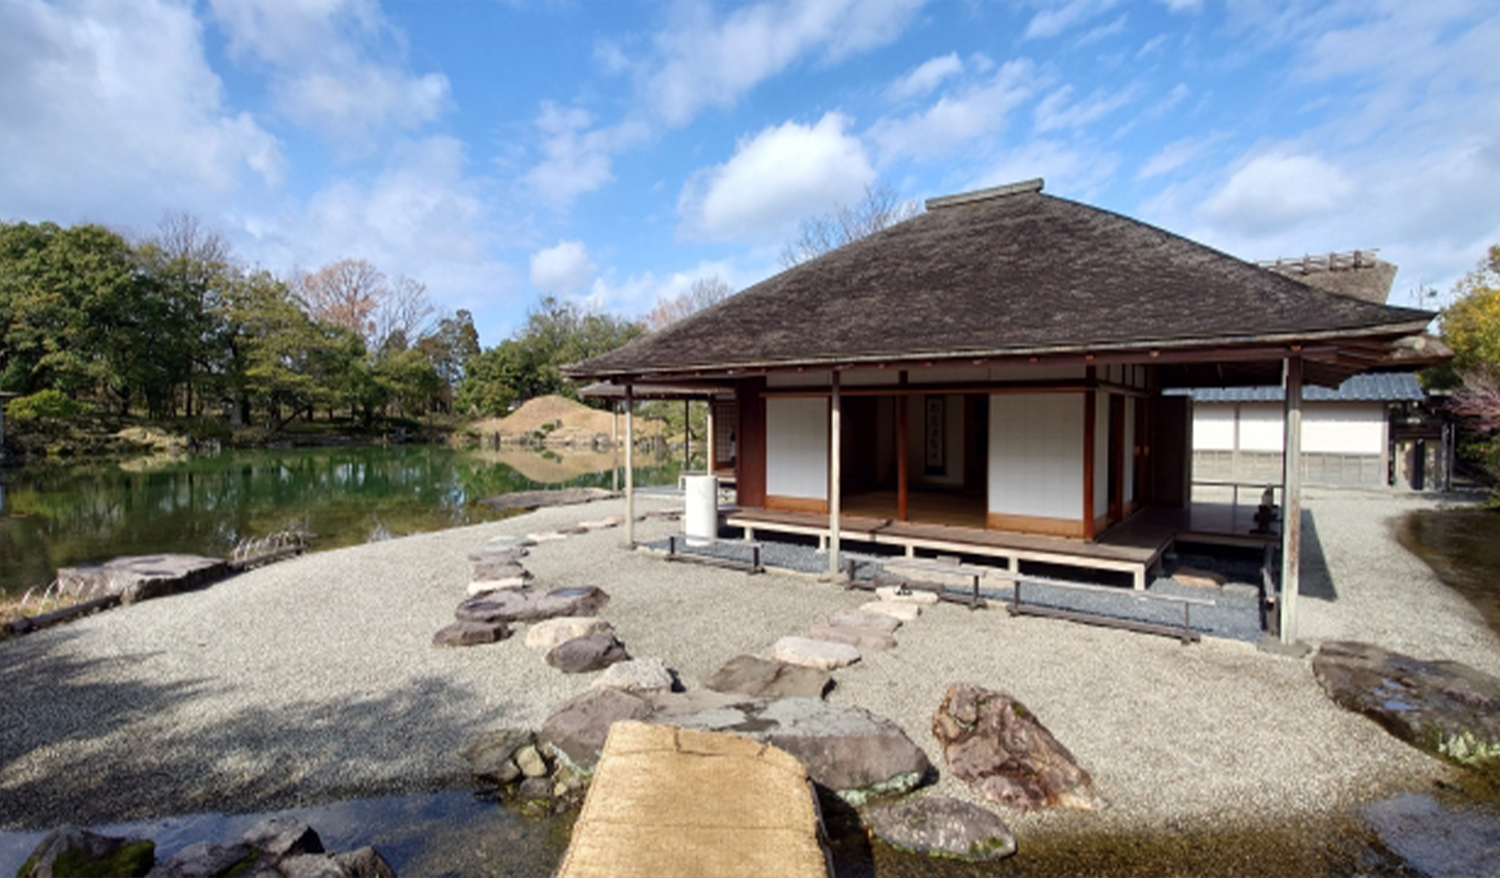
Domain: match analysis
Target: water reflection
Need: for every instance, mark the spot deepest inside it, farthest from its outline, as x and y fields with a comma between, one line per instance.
x=55, y=515
x=1462, y=546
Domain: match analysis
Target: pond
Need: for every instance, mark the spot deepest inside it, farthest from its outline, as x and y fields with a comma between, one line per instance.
x=54, y=515
x=1462, y=546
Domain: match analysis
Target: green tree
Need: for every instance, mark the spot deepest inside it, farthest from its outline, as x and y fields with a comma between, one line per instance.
x=1471, y=325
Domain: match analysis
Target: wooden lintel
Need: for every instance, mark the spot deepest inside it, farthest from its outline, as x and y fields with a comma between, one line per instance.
x=986, y=387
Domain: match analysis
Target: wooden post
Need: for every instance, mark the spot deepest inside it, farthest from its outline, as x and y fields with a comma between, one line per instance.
x=1090, y=412
x=835, y=475
x=630, y=465
x=1291, y=500
x=687, y=435
x=709, y=441
x=901, y=427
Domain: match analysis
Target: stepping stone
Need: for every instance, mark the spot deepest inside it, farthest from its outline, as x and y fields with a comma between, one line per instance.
x=864, y=619
x=485, y=586
x=500, y=569
x=892, y=594
x=820, y=654
x=762, y=678
x=592, y=652
x=527, y=605
x=901, y=612
x=859, y=638
x=511, y=540
x=939, y=826
x=496, y=552
x=550, y=536
x=637, y=675
x=598, y=525
x=471, y=633
x=572, y=530
x=549, y=633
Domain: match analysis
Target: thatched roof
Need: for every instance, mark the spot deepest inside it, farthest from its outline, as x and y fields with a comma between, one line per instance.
x=1358, y=273
x=1001, y=273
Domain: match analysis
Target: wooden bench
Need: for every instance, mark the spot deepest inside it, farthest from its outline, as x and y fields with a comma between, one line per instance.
x=752, y=566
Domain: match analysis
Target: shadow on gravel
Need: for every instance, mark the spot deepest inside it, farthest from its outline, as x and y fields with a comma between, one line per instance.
x=251, y=759
x=1316, y=581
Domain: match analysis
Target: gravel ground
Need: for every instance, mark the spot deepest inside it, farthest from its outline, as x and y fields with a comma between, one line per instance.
x=314, y=679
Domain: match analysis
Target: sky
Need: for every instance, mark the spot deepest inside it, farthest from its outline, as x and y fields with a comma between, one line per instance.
x=610, y=153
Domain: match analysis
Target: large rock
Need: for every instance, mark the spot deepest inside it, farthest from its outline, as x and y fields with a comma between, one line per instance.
x=592, y=652
x=824, y=655
x=864, y=619
x=205, y=860
x=490, y=753
x=549, y=633
x=142, y=577
x=364, y=863
x=851, y=751
x=68, y=850
x=992, y=742
x=942, y=827
x=529, y=605
x=282, y=836
x=637, y=675
x=575, y=732
x=311, y=866
x=1444, y=707
x=860, y=638
x=761, y=678
x=470, y=633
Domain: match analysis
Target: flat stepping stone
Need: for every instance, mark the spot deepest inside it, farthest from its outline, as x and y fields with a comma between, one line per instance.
x=572, y=530
x=763, y=678
x=642, y=675
x=529, y=605
x=859, y=638
x=864, y=619
x=940, y=826
x=809, y=653
x=549, y=633
x=900, y=612
x=893, y=594
x=592, y=652
x=496, y=552
x=599, y=525
x=485, y=586
x=500, y=569
x=464, y=633
x=550, y=536
x=512, y=540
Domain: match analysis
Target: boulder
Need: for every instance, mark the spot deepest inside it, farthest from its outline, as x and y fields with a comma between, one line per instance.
x=364, y=863
x=997, y=746
x=490, y=752
x=534, y=788
x=591, y=652
x=901, y=595
x=575, y=732
x=899, y=612
x=283, y=837
x=465, y=633
x=863, y=619
x=636, y=675
x=69, y=850
x=762, y=678
x=530, y=761
x=940, y=826
x=142, y=577
x=548, y=633
x=847, y=749
x=1443, y=707
x=823, y=655
x=859, y=638
x=311, y=866
x=485, y=586
x=205, y=860
x=529, y=605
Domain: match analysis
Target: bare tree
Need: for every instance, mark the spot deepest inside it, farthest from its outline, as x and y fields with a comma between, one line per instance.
x=402, y=313
x=347, y=292
x=880, y=208
x=703, y=292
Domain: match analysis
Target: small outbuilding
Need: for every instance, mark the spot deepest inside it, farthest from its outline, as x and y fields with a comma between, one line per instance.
x=988, y=378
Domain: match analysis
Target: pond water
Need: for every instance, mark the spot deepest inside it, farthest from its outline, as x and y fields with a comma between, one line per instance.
x=54, y=515
x=1462, y=546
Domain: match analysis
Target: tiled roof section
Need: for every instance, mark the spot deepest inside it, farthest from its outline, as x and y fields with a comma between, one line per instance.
x=1371, y=387
x=1015, y=274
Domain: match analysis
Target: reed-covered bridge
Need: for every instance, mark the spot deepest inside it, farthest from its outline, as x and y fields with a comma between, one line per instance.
x=987, y=378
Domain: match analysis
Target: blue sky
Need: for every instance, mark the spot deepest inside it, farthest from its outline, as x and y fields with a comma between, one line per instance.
x=612, y=152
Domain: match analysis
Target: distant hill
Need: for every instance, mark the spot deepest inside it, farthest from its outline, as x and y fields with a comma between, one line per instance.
x=575, y=421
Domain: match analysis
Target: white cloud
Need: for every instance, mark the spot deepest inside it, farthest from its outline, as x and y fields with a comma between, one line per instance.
x=564, y=270
x=1278, y=190
x=1054, y=111
x=337, y=67
x=1069, y=170
x=926, y=77
x=110, y=112
x=1056, y=18
x=1103, y=31
x=774, y=179
x=956, y=118
x=1173, y=156
x=576, y=157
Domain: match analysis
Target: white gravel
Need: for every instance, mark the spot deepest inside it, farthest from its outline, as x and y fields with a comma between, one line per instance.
x=315, y=679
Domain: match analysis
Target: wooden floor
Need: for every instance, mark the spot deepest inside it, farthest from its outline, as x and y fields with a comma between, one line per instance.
x=928, y=507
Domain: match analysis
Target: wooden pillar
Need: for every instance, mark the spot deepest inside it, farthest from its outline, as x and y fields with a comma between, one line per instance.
x=901, y=428
x=710, y=441
x=630, y=465
x=614, y=427
x=687, y=435
x=1291, y=500
x=835, y=475
x=1090, y=412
